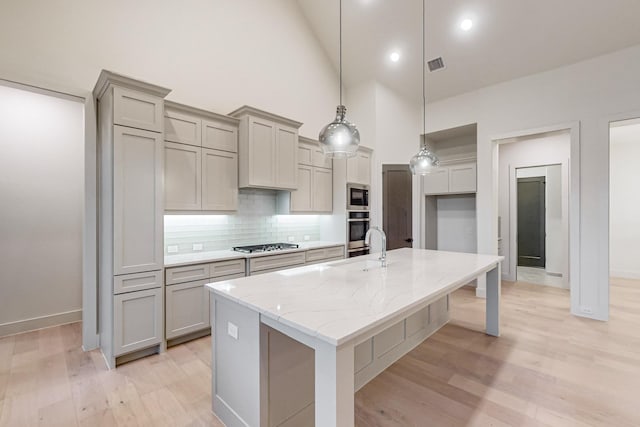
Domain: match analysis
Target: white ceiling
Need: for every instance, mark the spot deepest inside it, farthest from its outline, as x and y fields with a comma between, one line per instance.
x=509, y=39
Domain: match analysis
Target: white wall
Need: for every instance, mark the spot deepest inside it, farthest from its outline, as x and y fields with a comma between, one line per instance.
x=555, y=241
x=591, y=92
x=41, y=188
x=213, y=54
x=625, y=201
x=391, y=125
x=548, y=149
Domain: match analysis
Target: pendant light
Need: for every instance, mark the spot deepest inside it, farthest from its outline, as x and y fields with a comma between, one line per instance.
x=340, y=138
x=425, y=161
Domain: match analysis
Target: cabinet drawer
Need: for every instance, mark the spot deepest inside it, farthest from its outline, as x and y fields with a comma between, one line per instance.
x=335, y=252
x=188, y=273
x=137, y=320
x=219, y=136
x=137, y=110
x=182, y=128
x=273, y=262
x=137, y=282
x=315, y=255
x=226, y=268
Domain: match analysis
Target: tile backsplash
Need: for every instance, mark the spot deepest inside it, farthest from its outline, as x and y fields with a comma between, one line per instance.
x=255, y=222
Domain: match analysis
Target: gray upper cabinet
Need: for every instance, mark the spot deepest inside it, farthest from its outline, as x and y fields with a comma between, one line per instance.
x=302, y=198
x=219, y=180
x=182, y=128
x=137, y=200
x=268, y=150
x=315, y=182
x=182, y=177
x=359, y=167
x=451, y=178
x=218, y=135
x=286, y=157
x=201, y=160
x=137, y=109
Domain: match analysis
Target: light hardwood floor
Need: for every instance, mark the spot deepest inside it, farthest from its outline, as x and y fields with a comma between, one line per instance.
x=547, y=369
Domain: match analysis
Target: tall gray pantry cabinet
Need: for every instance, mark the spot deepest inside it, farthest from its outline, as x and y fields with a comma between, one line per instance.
x=130, y=217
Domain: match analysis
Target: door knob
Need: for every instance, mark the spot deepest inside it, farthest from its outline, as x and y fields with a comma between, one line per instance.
x=409, y=240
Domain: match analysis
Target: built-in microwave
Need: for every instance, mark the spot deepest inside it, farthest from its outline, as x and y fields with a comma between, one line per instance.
x=357, y=197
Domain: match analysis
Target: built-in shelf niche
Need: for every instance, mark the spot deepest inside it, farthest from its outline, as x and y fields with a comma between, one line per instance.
x=454, y=145
x=449, y=217
x=450, y=223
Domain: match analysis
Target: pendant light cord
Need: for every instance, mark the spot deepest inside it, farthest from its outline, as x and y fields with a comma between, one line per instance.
x=424, y=95
x=340, y=52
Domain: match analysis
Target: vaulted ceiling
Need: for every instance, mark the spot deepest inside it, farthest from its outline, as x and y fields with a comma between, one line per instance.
x=509, y=39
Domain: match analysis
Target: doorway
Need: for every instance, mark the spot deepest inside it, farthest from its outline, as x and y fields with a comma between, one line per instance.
x=624, y=204
x=397, y=220
x=531, y=222
x=534, y=212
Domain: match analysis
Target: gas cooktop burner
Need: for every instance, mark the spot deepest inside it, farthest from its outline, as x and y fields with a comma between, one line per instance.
x=265, y=248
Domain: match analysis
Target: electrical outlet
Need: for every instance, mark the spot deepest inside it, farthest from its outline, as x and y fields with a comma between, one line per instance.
x=306, y=238
x=290, y=238
x=232, y=330
x=172, y=249
x=198, y=246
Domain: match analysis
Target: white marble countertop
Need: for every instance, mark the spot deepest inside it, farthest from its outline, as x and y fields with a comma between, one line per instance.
x=178, y=260
x=340, y=300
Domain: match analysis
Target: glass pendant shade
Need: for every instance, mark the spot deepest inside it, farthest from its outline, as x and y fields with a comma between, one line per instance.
x=340, y=138
x=424, y=162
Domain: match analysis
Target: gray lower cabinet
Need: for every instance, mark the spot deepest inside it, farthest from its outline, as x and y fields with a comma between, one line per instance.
x=186, y=298
x=137, y=320
x=187, y=308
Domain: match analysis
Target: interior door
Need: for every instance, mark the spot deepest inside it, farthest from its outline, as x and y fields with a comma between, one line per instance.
x=396, y=206
x=531, y=222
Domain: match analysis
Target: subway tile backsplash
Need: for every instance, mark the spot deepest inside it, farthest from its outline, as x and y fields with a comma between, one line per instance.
x=255, y=222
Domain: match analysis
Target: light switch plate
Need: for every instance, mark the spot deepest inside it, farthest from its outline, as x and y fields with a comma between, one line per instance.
x=291, y=238
x=306, y=238
x=198, y=246
x=232, y=330
x=172, y=249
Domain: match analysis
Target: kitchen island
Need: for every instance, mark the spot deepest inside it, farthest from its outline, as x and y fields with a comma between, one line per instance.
x=326, y=311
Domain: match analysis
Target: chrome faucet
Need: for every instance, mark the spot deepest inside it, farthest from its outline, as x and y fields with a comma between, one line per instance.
x=367, y=239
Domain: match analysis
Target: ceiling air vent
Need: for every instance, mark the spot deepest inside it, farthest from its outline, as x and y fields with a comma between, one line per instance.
x=436, y=64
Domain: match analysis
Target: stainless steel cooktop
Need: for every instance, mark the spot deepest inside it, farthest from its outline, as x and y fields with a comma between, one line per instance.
x=265, y=248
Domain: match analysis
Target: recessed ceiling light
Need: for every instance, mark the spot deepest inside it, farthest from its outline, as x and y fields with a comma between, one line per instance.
x=395, y=56
x=466, y=24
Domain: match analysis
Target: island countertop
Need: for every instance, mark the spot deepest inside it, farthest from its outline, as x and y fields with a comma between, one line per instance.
x=340, y=300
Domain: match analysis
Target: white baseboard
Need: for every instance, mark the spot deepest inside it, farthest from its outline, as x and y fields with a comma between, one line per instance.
x=17, y=327
x=625, y=274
